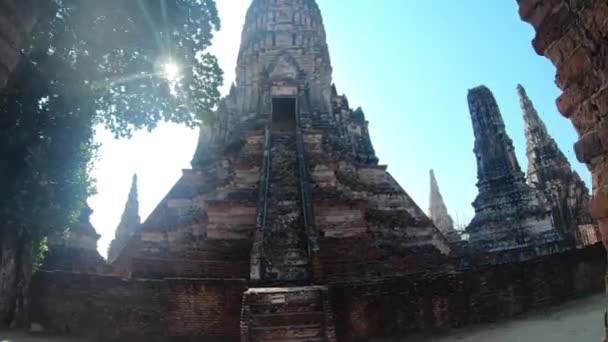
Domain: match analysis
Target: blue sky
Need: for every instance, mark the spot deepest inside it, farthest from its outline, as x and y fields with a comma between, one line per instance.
x=409, y=64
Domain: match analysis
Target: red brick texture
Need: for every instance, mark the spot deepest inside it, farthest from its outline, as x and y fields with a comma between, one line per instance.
x=573, y=34
x=396, y=307
x=114, y=309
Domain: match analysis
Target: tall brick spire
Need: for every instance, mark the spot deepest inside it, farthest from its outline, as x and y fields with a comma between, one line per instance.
x=507, y=212
x=561, y=190
x=283, y=41
x=438, y=212
x=129, y=222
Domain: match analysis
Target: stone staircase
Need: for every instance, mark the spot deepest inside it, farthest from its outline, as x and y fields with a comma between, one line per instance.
x=289, y=314
x=285, y=248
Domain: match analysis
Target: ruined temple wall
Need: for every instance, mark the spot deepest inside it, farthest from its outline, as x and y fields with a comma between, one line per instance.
x=114, y=309
x=159, y=310
x=573, y=35
x=17, y=19
x=401, y=306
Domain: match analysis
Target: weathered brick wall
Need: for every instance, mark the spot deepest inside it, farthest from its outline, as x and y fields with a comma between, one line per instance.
x=17, y=18
x=396, y=307
x=573, y=35
x=114, y=309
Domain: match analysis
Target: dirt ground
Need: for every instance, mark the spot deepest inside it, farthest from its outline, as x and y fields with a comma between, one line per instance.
x=578, y=321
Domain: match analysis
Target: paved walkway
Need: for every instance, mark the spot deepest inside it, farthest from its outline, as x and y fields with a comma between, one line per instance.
x=577, y=321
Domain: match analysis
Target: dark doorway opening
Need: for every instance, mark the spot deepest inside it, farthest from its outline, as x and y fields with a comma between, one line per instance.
x=283, y=113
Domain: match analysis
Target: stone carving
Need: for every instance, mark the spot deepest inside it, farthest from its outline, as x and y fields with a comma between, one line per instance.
x=561, y=190
x=129, y=223
x=438, y=212
x=507, y=212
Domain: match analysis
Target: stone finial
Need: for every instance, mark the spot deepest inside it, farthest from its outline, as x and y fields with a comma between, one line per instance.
x=560, y=189
x=438, y=212
x=129, y=222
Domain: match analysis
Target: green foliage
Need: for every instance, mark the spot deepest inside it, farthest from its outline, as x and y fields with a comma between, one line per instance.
x=40, y=250
x=118, y=50
x=96, y=62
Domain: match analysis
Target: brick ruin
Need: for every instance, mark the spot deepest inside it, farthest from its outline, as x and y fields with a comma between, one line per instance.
x=572, y=35
x=287, y=227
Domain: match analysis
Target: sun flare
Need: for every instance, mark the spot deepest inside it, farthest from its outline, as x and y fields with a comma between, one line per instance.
x=170, y=71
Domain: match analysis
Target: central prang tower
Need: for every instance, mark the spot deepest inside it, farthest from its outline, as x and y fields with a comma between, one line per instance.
x=285, y=188
x=283, y=53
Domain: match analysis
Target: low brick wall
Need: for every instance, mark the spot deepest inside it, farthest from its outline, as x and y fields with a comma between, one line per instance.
x=114, y=309
x=402, y=306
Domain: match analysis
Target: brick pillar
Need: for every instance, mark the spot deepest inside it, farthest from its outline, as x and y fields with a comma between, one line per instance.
x=573, y=35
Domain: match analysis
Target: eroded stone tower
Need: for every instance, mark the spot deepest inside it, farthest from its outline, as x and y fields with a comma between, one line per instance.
x=507, y=211
x=561, y=189
x=438, y=212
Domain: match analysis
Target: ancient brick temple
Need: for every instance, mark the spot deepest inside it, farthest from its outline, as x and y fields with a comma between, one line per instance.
x=284, y=180
x=286, y=228
x=508, y=214
x=560, y=188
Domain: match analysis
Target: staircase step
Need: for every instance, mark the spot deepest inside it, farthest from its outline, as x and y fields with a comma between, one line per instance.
x=277, y=333
x=287, y=319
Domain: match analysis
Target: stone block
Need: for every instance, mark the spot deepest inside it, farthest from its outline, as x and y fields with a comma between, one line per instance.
x=553, y=26
x=599, y=204
x=600, y=173
x=574, y=67
x=586, y=118
x=603, y=223
x=527, y=8
x=600, y=102
x=595, y=19
x=588, y=147
x=570, y=99
x=564, y=46
x=536, y=12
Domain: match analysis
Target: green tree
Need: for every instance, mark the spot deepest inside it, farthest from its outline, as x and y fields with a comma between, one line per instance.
x=122, y=64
